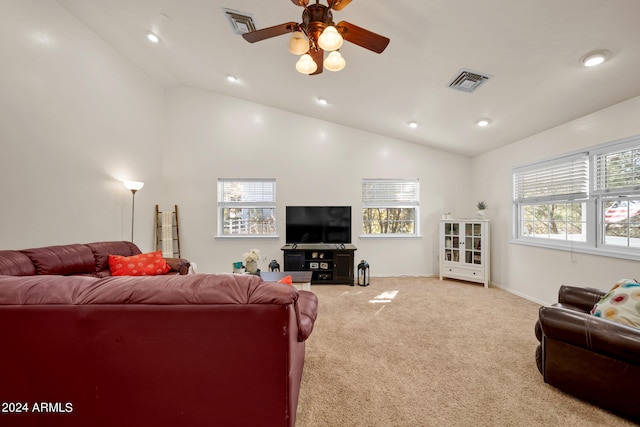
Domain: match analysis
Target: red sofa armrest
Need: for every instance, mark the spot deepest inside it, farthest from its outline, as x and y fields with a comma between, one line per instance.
x=307, y=307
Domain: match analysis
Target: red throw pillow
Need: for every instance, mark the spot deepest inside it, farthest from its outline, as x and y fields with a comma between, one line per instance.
x=148, y=264
x=286, y=280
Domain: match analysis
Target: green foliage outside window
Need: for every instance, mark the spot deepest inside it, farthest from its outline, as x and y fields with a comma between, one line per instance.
x=388, y=221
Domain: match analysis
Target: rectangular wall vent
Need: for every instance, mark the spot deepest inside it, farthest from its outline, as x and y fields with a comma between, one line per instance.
x=468, y=80
x=241, y=22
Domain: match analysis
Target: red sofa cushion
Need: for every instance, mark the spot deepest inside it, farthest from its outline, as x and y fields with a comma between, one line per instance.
x=102, y=250
x=62, y=260
x=15, y=263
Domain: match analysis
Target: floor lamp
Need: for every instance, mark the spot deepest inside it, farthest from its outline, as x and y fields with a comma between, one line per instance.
x=133, y=186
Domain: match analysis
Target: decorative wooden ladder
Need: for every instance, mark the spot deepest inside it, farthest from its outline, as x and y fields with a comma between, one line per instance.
x=168, y=233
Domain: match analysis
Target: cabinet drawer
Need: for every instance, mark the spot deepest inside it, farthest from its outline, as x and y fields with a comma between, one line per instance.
x=473, y=274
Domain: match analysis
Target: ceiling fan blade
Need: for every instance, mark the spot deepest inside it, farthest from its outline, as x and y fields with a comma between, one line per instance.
x=267, y=33
x=318, y=58
x=337, y=4
x=363, y=38
x=302, y=3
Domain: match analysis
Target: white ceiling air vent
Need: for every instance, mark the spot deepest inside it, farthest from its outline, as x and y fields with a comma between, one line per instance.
x=468, y=81
x=241, y=22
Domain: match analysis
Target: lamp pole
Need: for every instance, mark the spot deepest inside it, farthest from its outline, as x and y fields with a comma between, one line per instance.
x=133, y=209
x=133, y=186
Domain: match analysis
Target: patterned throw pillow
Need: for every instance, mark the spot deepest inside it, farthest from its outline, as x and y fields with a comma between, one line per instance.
x=148, y=264
x=621, y=304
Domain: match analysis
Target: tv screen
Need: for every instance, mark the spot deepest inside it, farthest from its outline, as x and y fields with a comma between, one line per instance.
x=318, y=224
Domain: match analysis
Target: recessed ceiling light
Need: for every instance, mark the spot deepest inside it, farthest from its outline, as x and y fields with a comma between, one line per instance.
x=232, y=79
x=322, y=101
x=153, y=38
x=412, y=125
x=483, y=122
x=594, y=58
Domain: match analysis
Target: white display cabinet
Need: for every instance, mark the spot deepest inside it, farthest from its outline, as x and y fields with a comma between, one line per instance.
x=464, y=250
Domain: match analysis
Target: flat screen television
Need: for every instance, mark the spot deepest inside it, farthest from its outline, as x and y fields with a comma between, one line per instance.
x=318, y=224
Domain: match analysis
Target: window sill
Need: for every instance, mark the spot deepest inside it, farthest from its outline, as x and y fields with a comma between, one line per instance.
x=247, y=237
x=581, y=247
x=390, y=236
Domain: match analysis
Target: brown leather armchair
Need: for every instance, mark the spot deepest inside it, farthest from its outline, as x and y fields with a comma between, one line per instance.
x=594, y=359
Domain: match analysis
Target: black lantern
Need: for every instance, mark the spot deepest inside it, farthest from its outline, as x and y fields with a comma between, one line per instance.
x=363, y=273
x=274, y=266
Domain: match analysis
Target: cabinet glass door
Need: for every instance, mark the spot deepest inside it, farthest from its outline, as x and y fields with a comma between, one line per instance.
x=473, y=243
x=452, y=241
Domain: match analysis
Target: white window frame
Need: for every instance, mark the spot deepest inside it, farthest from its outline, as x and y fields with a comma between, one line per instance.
x=595, y=197
x=391, y=194
x=259, y=193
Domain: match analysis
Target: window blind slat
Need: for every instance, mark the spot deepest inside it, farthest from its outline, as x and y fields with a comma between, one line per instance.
x=558, y=180
x=617, y=172
x=390, y=192
x=238, y=191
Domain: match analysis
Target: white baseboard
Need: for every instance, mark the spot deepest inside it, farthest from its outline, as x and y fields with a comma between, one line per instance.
x=520, y=294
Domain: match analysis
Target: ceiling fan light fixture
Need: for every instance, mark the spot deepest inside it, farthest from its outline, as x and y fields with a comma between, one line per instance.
x=335, y=61
x=330, y=39
x=298, y=43
x=306, y=64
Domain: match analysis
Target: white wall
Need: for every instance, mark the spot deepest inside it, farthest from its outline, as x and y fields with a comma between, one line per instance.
x=535, y=272
x=75, y=120
x=314, y=162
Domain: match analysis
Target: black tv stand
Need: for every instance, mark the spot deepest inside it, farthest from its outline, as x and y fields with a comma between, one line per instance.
x=330, y=263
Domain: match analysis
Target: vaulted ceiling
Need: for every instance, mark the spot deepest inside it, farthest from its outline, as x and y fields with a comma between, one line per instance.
x=531, y=50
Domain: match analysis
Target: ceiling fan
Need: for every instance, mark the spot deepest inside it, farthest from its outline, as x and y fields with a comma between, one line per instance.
x=317, y=33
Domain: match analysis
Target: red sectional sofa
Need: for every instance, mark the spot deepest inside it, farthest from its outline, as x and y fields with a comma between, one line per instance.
x=167, y=350
x=91, y=259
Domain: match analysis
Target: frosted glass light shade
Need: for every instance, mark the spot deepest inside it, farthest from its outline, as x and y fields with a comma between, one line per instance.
x=133, y=185
x=330, y=39
x=334, y=62
x=306, y=64
x=298, y=43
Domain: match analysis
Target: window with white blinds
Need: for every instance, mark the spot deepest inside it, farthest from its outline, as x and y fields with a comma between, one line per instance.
x=390, y=207
x=246, y=207
x=617, y=172
x=563, y=179
x=587, y=201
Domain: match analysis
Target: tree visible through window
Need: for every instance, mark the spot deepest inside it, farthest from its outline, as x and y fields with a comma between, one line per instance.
x=590, y=200
x=564, y=221
x=390, y=206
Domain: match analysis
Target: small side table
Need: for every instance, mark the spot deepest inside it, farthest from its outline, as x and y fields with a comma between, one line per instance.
x=300, y=279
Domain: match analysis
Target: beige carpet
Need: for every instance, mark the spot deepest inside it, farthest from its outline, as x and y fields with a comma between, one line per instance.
x=439, y=353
